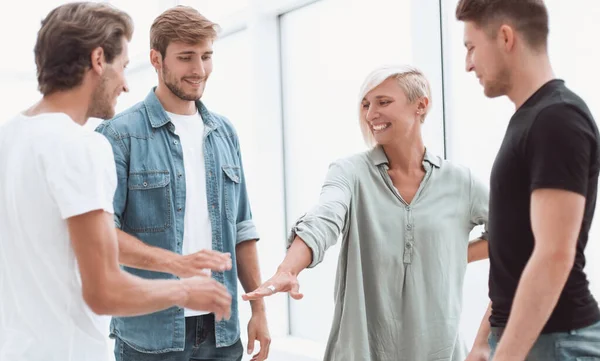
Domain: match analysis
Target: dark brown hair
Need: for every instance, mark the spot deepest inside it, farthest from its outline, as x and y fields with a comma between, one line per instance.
x=528, y=17
x=181, y=23
x=67, y=38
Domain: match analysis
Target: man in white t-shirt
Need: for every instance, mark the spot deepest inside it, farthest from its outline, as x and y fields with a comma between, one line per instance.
x=59, y=266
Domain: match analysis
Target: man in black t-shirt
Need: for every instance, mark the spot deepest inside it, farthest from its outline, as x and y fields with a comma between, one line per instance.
x=543, y=190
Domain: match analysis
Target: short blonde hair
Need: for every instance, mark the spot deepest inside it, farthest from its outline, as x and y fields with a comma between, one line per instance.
x=410, y=79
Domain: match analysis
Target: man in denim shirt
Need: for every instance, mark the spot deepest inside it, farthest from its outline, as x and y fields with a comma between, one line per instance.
x=181, y=203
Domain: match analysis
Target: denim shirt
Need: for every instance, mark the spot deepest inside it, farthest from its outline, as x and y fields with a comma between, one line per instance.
x=150, y=205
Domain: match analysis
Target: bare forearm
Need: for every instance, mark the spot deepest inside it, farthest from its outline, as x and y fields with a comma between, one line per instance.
x=137, y=254
x=298, y=257
x=249, y=270
x=477, y=250
x=128, y=295
x=537, y=294
x=484, y=329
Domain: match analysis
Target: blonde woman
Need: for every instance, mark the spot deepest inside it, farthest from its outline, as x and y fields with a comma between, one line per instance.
x=405, y=216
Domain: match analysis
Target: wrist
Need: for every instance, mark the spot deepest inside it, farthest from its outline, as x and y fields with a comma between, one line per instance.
x=183, y=295
x=285, y=269
x=257, y=307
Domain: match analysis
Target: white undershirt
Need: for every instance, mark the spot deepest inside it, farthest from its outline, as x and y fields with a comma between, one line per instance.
x=197, y=230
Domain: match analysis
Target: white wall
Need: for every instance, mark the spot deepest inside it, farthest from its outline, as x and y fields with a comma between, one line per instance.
x=287, y=73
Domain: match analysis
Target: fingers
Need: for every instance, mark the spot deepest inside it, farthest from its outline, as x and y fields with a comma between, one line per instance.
x=263, y=354
x=257, y=294
x=213, y=260
x=219, y=300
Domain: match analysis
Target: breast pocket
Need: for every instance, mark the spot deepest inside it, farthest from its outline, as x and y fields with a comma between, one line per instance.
x=148, y=202
x=231, y=190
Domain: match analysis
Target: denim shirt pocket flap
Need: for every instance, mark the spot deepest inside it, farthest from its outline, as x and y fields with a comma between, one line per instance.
x=232, y=172
x=148, y=180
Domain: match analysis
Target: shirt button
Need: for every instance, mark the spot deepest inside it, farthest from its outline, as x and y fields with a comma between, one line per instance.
x=175, y=142
x=409, y=226
x=145, y=184
x=179, y=175
x=408, y=208
x=179, y=209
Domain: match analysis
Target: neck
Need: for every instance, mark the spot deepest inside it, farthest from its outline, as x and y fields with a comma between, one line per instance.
x=530, y=75
x=407, y=155
x=172, y=103
x=74, y=103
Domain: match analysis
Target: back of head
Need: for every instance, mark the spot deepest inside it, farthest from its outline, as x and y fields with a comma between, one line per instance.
x=410, y=79
x=527, y=17
x=69, y=34
x=181, y=24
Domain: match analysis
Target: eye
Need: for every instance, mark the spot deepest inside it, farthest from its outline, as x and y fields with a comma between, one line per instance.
x=207, y=57
x=365, y=105
x=184, y=58
x=384, y=102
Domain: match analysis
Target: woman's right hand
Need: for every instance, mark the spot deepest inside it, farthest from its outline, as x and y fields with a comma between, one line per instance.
x=282, y=281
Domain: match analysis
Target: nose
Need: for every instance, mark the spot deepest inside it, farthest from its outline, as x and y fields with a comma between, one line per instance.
x=469, y=67
x=199, y=68
x=372, y=114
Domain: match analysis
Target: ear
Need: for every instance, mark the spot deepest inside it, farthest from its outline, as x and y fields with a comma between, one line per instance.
x=422, y=105
x=156, y=59
x=506, y=37
x=97, y=60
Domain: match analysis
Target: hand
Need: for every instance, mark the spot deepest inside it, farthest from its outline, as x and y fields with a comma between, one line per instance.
x=259, y=331
x=283, y=281
x=479, y=353
x=206, y=294
x=197, y=263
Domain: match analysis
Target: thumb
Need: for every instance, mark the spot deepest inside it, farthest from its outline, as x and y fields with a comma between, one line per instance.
x=295, y=292
x=251, y=339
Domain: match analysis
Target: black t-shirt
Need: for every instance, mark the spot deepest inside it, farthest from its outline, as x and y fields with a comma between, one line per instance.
x=551, y=142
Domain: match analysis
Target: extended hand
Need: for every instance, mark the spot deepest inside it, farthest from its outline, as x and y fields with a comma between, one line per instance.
x=281, y=282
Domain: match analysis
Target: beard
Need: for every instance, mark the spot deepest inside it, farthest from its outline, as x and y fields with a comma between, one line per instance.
x=499, y=86
x=174, y=85
x=101, y=104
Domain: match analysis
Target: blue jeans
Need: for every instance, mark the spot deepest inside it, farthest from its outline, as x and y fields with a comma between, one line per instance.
x=200, y=344
x=576, y=345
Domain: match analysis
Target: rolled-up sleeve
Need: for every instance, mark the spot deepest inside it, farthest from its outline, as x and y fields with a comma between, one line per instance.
x=245, y=227
x=321, y=227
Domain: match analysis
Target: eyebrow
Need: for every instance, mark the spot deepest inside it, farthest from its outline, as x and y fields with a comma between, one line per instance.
x=192, y=52
x=377, y=97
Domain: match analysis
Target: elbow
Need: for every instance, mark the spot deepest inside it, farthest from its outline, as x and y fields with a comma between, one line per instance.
x=561, y=260
x=99, y=302
x=100, y=299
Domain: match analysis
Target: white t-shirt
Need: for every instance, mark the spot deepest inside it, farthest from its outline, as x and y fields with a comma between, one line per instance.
x=51, y=169
x=197, y=230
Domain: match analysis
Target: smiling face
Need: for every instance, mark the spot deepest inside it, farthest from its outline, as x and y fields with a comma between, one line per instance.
x=112, y=84
x=185, y=69
x=487, y=60
x=389, y=114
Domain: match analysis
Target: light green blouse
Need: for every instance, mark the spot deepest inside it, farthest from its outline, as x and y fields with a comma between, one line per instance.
x=398, y=291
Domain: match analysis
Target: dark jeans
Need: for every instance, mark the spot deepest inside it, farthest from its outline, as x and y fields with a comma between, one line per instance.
x=577, y=345
x=200, y=344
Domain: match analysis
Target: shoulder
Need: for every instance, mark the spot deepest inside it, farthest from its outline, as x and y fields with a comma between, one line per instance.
x=225, y=125
x=133, y=120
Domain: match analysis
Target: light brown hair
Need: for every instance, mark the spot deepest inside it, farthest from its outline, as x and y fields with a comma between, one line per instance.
x=529, y=17
x=67, y=37
x=182, y=24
